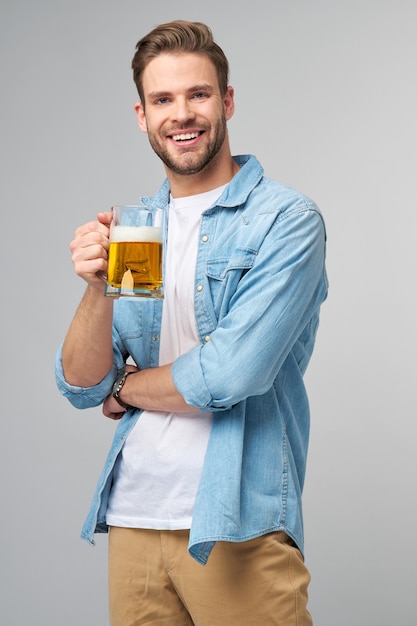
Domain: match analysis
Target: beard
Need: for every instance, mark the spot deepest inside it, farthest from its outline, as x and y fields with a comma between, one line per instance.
x=192, y=161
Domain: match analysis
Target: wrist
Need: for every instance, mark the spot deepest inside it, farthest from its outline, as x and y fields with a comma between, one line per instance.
x=117, y=388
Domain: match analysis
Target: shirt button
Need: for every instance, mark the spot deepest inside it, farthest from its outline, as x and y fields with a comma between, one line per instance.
x=199, y=287
x=204, y=238
x=207, y=338
x=155, y=338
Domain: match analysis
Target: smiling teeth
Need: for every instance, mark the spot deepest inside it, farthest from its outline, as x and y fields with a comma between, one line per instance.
x=185, y=136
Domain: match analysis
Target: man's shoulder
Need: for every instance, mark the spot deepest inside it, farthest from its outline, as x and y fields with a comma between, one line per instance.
x=257, y=187
x=273, y=196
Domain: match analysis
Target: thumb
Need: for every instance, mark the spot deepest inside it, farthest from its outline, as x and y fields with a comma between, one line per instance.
x=105, y=218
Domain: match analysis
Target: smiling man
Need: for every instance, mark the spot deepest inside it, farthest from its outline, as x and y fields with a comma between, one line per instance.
x=201, y=491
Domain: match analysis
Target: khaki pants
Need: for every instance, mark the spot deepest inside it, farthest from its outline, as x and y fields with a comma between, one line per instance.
x=154, y=581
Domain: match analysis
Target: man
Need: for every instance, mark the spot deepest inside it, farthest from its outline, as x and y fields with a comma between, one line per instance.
x=202, y=487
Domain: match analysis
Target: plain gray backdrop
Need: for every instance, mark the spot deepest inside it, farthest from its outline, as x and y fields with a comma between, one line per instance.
x=326, y=97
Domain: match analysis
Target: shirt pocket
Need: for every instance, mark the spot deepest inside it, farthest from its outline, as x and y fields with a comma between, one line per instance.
x=224, y=274
x=137, y=324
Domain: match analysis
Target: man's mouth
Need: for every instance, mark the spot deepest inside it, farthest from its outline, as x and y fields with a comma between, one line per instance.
x=185, y=136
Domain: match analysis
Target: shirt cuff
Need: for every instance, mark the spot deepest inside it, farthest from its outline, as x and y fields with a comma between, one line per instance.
x=83, y=397
x=193, y=388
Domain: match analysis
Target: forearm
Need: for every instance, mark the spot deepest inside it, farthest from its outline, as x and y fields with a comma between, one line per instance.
x=154, y=390
x=87, y=353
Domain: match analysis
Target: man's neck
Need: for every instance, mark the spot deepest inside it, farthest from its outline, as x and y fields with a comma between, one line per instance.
x=214, y=175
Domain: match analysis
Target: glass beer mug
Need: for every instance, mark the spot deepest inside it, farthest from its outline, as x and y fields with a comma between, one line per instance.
x=135, y=258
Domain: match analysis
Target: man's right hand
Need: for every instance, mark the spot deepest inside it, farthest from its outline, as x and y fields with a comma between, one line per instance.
x=89, y=250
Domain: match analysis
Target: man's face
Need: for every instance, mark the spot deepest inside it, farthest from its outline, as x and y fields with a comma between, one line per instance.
x=184, y=112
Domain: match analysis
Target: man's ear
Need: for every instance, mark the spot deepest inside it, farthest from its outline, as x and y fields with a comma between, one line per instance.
x=229, y=103
x=141, y=117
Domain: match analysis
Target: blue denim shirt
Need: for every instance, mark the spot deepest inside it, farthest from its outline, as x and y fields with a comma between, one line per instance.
x=259, y=282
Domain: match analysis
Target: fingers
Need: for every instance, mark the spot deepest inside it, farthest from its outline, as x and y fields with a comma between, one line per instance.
x=95, y=230
x=112, y=409
x=89, y=250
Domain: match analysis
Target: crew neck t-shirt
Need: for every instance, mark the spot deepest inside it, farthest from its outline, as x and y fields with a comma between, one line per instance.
x=157, y=473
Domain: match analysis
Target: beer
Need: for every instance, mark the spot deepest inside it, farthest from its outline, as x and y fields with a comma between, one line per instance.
x=135, y=259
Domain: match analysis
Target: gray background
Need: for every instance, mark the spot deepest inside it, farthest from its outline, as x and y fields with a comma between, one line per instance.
x=326, y=97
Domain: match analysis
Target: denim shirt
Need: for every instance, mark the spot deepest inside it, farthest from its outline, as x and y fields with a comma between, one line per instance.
x=259, y=282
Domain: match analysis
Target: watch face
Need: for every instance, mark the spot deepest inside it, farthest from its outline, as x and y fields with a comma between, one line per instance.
x=118, y=385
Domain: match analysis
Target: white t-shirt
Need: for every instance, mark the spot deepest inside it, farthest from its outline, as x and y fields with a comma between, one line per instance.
x=158, y=471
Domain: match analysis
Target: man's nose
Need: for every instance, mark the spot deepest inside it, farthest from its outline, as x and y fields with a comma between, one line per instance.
x=183, y=111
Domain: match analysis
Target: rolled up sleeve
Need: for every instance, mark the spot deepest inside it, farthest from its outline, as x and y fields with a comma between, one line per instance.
x=83, y=397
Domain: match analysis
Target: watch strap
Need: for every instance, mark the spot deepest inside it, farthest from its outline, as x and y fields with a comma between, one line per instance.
x=118, y=386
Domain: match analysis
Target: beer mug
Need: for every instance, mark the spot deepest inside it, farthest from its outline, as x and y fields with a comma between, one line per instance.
x=135, y=257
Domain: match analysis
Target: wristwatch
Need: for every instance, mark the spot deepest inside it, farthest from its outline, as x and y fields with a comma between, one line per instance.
x=118, y=386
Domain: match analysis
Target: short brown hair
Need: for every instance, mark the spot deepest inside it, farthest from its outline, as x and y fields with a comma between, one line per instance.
x=179, y=36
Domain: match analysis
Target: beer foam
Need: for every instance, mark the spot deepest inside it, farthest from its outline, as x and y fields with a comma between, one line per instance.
x=136, y=233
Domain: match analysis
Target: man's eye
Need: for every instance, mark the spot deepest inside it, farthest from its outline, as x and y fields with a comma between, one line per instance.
x=162, y=101
x=200, y=95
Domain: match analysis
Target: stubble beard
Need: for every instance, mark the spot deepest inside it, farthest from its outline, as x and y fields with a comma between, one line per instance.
x=192, y=162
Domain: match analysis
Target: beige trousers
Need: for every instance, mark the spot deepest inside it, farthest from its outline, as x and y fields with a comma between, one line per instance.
x=154, y=581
